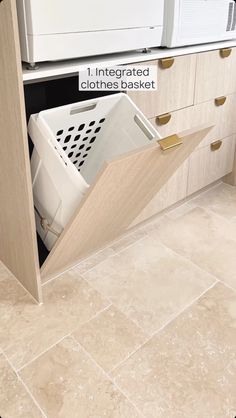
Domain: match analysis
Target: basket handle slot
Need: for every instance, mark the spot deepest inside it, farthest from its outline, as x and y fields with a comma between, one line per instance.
x=81, y=109
x=143, y=127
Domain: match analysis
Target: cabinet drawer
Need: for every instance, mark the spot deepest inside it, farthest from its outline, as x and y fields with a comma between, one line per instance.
x=207, y=166
x=215, y=75
x=174, y=191
x=169, y=123
x=175, y=87
x=220, y=117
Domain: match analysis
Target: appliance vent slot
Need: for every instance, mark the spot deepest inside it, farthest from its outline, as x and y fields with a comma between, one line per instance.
x=234, y=18
x=230, y=16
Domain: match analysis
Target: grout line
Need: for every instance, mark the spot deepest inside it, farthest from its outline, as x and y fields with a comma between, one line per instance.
x=217, y=215
x=227, y=285
x=25, y=386
x=116, y=252
x=181, y=311
x=189, y=260
x=98, y=291
x=14, y=278
x=115, y=306
x=130, y=234
x=216, y=278
x=77, y=265
x=184, y=258
x=130, y=354
x=61, y=339
x=150, y=336
x=41, y=353
x=174, y=317
x=108, y=377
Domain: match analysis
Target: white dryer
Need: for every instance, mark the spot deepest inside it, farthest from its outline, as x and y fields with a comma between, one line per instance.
x=63, y=29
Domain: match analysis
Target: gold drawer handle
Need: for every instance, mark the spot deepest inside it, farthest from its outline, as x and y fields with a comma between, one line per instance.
x=216, y=145
x=163, y=119
x=220, y=101
x=166, y=62
x=225, y=52
x=170, y=142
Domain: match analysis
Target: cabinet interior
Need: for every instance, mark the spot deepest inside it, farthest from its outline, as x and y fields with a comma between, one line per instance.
x=46, y=95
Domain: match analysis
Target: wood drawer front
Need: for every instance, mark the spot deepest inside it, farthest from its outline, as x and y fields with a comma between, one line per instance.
x=175, y=88
x=174, y=191
x=122, y=189
x=222, y=118
x=180, y=120
x=215, y=76
x=192, y=117
x=207, y=166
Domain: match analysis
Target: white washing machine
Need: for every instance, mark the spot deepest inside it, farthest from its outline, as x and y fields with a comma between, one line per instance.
x=190, y=22
x=63, y=29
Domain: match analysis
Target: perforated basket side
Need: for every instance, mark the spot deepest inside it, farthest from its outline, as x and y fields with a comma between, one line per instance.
x=74, y=129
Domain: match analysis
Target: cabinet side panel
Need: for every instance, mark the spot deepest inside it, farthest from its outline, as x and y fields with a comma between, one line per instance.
x=17, y=225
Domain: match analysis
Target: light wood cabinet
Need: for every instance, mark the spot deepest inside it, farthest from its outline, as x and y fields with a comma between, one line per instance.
x=175, y=87
x=18, y=248
x=221, y=118
x=114, y=200
x=215, y=104
x=180, y=120
x=207, y=165
x=129, y=189
x=215, y=75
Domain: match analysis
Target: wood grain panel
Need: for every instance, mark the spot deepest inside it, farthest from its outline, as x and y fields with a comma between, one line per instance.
x=121, y=191
x=207, y=166
x=215, y=76
x=221, y=117
x=18, y=249
x=173, y=191
x=175, y=88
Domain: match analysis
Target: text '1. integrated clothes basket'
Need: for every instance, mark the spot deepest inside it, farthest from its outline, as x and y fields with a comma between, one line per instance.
x=71, y=144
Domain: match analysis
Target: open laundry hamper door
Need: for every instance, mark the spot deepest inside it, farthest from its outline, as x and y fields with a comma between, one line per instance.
x=123, y=187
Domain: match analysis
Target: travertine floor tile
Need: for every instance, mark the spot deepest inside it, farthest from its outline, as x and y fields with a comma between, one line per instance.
x=180, y=210
x=188, y=369
x=110, y=338
x=220, y=199
x=15, y=402
x=149, y=283
x=206, y=239
x=128, y=240
x=93, y=260
x=26, y=329
x=67, y=384
x=4, y=273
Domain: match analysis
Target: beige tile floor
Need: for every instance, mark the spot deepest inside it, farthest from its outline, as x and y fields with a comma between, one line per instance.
x=145, y=328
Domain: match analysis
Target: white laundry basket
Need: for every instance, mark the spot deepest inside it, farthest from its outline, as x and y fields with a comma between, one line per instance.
x=71, y=143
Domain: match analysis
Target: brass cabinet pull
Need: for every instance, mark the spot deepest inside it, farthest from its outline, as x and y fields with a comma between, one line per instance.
x=225, y=52
x=216, y=145
x=169, y=142
x=220, y=101
x=166, y=62
x=163, y=119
